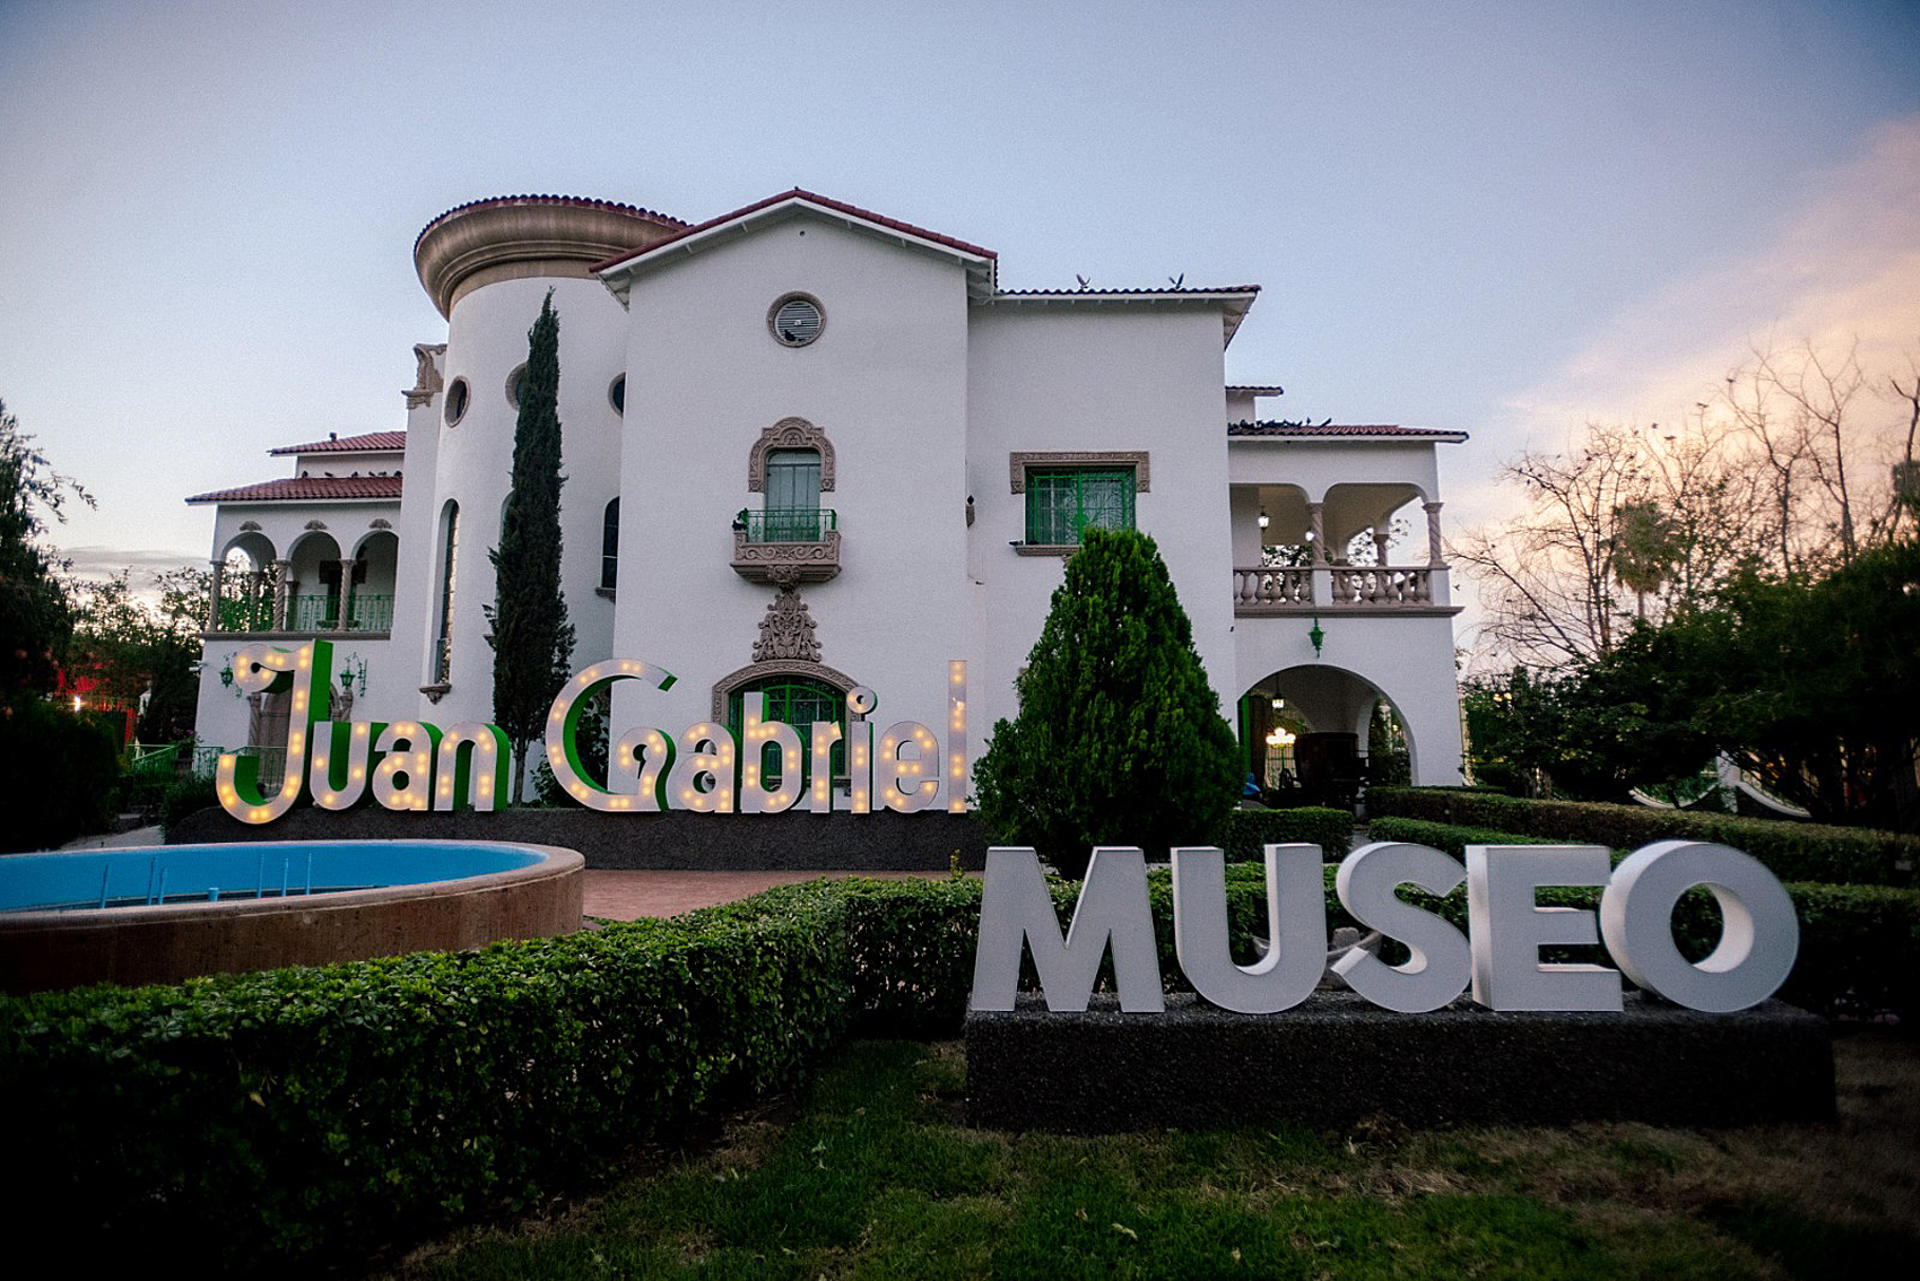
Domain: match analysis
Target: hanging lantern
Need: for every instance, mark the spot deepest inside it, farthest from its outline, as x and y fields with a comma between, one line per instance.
x=1317, y=636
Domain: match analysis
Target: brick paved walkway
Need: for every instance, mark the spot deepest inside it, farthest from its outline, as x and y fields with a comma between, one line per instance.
x=627, y=896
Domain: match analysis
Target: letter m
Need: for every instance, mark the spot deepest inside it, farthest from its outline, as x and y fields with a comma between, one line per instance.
x=1016, y=912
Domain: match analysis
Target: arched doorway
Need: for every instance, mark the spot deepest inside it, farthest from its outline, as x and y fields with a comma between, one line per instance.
x=1319, y=735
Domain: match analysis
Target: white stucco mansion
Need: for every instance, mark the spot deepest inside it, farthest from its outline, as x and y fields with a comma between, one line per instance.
x=810, y=447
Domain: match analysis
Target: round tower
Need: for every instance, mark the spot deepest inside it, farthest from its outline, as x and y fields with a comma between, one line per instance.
x=487, y=265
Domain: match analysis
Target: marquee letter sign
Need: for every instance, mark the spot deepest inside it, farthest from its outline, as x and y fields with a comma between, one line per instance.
x=1500, y=958
x=418, y=766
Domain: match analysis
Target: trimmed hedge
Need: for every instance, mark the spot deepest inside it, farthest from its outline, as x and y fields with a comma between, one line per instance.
x=309, y=1115
x=1441, y=836
x=1244, y=833
x=1794, y=851
x=298, y=1114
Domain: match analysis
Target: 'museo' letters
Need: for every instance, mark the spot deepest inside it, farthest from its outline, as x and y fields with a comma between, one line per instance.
x=1499, y=958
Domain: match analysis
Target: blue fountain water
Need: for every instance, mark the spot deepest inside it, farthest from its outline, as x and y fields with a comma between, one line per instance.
x=85, y=879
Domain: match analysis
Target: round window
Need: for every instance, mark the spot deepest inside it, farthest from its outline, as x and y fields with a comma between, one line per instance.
x=796, y=320
x=617, y=394
x=514, y=380
x=457, y=397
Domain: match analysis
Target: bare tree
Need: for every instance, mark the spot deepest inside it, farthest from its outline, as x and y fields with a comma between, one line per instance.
x=1779, y=471
x=1547, y=576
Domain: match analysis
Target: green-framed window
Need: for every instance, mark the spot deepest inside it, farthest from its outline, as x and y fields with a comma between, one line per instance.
x=798, y=701
x=1064, y=502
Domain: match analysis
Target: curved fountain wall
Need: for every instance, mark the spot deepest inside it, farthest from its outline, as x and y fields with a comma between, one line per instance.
x=279, y=906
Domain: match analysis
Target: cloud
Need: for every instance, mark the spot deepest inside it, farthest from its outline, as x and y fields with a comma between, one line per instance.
x=96, y=561
x=1845, y=266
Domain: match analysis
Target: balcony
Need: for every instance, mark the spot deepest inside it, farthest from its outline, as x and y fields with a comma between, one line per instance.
x=786, y=545
x=1284, y=591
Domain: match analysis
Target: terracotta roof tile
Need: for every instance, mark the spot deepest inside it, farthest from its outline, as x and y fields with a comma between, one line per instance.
x=307, y=489
x=800, y=193
x=1309, y=431
x=1184, y=290
x=363, y=443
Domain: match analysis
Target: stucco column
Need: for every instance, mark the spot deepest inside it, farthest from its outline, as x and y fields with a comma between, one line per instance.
x=213, y=595
x=1316, y=518
x=282, y=595
x=1436, y=557
x=1381, y=536
x=346, y=595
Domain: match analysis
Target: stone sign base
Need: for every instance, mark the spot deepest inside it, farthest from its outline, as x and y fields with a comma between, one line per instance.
x=1338, y=1059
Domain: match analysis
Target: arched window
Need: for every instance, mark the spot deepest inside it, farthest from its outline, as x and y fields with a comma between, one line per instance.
x=795, y=700
x=443, y=635
x=610, y=546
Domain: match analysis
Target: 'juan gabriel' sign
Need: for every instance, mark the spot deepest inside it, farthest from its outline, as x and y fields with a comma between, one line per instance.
x=1499, y=959
x=413, y=765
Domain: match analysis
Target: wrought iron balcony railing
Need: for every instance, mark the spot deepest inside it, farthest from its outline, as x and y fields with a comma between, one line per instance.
x=786, y=545
x=787, y=524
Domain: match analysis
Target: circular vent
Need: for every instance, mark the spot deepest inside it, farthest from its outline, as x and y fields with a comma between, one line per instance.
x=796, y=320
x=617, y=394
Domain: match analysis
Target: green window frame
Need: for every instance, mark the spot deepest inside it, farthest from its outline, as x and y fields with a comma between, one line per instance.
x=1064, y=502
x=798, y=701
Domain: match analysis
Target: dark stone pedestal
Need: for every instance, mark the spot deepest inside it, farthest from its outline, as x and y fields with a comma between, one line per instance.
x=1337, y=1059
x=673, y=841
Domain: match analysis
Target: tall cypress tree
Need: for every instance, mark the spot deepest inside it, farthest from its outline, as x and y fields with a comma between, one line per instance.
x=1119, y=739
x=532, y=640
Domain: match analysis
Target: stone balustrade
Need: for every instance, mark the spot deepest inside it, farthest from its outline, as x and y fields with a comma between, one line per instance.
x=1284, y=590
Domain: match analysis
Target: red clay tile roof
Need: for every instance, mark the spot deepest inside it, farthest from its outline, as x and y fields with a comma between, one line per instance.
x=307, y=489
x=585, y=202
x=363, y=443
x=1308, y=431
x=1184, y=290
x=825, y=202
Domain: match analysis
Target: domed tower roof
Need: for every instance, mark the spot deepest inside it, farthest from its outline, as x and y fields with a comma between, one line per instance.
x=517, y=237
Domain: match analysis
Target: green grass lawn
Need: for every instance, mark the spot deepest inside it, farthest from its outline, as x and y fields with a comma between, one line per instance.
x=873, y=1174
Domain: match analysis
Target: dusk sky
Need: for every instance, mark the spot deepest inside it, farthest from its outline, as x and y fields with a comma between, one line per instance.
x=1500, y=218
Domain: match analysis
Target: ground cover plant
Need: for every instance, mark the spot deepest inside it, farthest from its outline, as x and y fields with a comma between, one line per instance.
x=871, y=1174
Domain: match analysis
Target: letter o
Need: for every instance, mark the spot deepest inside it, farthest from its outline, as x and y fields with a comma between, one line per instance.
x=1759, y=938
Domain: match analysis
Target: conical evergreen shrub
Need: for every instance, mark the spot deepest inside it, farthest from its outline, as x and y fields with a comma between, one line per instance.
x=1119, y=739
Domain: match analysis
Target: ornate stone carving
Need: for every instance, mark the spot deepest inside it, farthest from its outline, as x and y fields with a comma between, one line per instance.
x=316, y=524
x=789, y=433
x=426, y=379
x=784, y=564
x=786, y=630
x=1021, y=459
x=379, y=522
x=250, y=526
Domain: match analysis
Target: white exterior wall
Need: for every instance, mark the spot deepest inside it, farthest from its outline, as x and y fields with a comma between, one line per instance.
x=473, y=464
x=1078, y=377
x=415, y=595
x=924, y=392
x=885, y=381
x=1318, y=465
